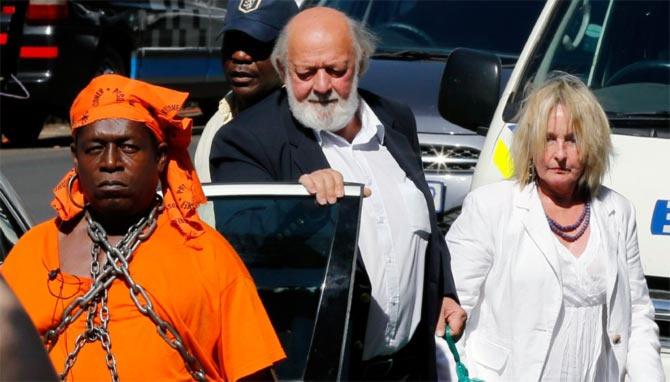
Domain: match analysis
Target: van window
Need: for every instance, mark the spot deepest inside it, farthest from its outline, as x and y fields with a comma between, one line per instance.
x=437, y=27
x=620, y=49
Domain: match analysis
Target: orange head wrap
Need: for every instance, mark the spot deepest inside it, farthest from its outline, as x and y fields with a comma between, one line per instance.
x=113, y=96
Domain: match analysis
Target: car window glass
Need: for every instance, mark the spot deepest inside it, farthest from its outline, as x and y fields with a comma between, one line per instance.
x=9, y=231
x=289, y=244
x=615, y=47
x=500, y=27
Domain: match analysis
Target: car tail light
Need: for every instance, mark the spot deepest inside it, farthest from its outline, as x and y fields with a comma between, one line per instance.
x=8, y=9
x=38, y=52
x=3, y=38
x=40, y=11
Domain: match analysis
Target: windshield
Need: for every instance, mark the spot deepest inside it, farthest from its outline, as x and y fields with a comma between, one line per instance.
x=437, y=27
x=621, y=49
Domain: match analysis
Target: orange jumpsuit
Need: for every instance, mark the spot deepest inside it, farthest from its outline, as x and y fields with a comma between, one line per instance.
x=201, y=287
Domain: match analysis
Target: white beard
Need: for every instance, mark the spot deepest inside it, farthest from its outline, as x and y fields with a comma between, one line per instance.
x=332, y=116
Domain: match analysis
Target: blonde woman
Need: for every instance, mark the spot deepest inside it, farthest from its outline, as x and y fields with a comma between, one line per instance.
x=547, y=265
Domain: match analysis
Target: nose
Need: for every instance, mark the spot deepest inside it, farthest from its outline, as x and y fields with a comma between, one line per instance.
x=560, y=153
x=241, y=57
x=110, y=159
x=322, y=83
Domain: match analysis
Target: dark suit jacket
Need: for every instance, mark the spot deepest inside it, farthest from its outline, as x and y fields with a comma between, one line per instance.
x=265, y=143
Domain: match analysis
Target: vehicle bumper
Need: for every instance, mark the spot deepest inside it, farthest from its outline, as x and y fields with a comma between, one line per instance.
x=455, y=183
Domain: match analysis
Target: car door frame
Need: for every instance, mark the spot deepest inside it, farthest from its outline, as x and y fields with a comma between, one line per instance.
x=326, y=360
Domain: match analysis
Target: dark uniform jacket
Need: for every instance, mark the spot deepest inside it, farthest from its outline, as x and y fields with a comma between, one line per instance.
x=265, y=143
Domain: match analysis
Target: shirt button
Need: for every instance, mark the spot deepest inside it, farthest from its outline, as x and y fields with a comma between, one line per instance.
x=616, y=339
x=380, y=220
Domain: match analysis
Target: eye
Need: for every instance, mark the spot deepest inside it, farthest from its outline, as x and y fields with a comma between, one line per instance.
x=336, y=72
x=305, y=74
x=93, y=149
x=129, y=148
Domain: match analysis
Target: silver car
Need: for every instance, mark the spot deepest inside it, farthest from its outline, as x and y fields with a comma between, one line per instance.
x=415, y=39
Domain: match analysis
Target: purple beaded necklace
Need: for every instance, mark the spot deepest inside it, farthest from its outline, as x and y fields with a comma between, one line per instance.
x=582, y=223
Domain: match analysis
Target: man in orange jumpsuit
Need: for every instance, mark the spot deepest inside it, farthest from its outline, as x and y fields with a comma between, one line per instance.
x=123, y=284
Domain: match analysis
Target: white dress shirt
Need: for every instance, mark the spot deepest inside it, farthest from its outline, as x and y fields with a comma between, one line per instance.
x=394, y=232
x=222, y=116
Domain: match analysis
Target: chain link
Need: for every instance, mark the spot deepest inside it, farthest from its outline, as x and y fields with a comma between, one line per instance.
x=95, y=299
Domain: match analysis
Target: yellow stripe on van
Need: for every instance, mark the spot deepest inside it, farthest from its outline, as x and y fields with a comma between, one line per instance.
x=503, y=159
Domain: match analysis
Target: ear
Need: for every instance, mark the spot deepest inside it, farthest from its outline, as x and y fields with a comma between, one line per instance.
x=161, y=157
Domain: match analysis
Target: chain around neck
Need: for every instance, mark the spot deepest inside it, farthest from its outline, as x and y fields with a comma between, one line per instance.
x=94, y=302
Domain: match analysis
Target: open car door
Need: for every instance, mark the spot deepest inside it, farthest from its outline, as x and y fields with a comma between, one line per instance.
x=302, y=258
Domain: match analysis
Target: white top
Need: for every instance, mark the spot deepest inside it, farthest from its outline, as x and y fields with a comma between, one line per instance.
x=222, y=116
x=508, y=278
x=580, y=350
x=395, y=228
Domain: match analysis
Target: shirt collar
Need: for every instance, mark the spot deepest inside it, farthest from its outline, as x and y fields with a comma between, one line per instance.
x=227, y=105
x=372, y=129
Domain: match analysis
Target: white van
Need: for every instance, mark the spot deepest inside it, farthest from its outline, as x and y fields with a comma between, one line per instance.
x=621, y=50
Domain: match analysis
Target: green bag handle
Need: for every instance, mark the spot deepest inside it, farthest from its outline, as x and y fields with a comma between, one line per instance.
x=461, y=370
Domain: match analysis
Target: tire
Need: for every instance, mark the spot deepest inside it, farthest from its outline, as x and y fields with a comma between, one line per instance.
x=207, y=107
x=109, y=61
x=22, y=127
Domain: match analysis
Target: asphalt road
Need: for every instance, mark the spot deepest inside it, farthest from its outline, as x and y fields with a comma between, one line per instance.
x=34, y=171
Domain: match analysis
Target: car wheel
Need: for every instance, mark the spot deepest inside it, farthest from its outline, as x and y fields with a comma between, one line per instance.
x=109, y=61
x=22, y=128
x=207, y=108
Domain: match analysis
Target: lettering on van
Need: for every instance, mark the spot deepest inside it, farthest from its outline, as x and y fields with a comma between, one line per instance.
x=660, y=219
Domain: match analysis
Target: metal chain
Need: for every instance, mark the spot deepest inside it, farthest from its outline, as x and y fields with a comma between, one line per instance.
x=118, y=257
x=94, y=332
x=130, y=241
x=105, y=340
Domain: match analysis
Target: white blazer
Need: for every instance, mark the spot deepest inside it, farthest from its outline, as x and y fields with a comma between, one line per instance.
x=508, y=280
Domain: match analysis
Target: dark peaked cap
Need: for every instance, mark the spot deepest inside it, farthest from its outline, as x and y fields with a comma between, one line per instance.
x=260, y=19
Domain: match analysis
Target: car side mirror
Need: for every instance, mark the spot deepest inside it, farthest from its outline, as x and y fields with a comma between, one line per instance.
x=470, y=89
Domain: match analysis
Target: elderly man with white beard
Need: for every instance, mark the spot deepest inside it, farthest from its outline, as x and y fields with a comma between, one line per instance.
x=322, y=131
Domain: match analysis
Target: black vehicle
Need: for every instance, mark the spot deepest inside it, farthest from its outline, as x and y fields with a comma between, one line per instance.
x=52, y=48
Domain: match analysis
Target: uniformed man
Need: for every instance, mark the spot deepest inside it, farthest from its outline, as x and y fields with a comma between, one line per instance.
x=250, y=31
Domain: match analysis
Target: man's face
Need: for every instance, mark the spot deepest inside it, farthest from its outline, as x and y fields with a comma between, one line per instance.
x=321, y=78
x=248, y=68
x=119, y=166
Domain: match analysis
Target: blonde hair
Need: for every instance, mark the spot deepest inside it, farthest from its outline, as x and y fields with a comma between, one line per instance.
x=588, y=121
